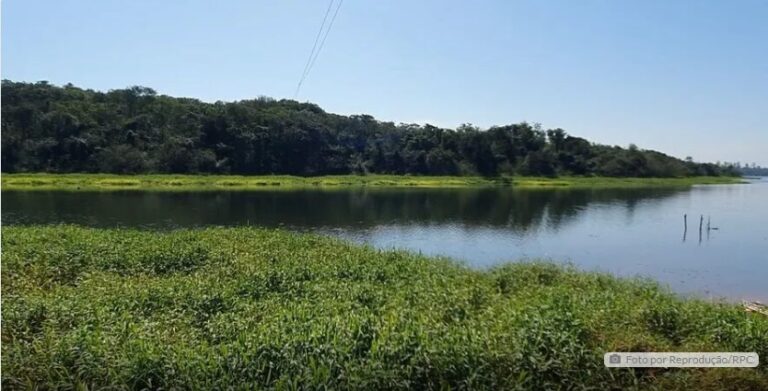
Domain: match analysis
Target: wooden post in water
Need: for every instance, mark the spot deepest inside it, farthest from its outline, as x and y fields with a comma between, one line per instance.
x=701, y=224
x=685, y=226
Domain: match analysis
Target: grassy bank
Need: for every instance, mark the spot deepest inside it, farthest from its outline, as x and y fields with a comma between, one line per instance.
x=234, y=182
x=257, y=308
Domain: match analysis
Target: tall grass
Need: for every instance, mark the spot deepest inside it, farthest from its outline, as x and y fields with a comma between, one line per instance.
x=253, y=308
x=74, y=182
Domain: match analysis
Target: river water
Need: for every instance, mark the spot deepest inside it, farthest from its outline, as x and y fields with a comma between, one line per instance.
x=628, y=232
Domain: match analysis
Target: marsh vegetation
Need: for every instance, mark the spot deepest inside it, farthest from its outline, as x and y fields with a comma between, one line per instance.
x=42, y=181
x=257, y=308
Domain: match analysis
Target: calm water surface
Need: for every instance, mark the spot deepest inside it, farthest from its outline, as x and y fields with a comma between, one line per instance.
x=625, y=232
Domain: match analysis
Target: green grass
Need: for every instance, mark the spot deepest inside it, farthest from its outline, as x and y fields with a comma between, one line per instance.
x=253, y=308
x=42, y=181
x=612, y=182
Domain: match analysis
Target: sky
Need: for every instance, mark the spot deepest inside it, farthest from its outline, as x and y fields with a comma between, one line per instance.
x=685, y=77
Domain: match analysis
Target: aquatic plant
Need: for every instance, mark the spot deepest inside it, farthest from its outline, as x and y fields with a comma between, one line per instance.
x=253, y=308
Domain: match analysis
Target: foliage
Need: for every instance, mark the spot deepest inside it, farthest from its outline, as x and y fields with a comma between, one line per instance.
x=749, y=169
x=252, y=308
x=46, y=128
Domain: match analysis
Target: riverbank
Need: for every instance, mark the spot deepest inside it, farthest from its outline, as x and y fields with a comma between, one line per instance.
x=235, y=182
x=245, y=307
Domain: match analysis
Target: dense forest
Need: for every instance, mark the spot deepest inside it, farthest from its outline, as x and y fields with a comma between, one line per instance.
x=46, y=128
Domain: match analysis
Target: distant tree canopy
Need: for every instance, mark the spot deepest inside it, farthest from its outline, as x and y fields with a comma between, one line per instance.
x=748, y=169
x=46, y=128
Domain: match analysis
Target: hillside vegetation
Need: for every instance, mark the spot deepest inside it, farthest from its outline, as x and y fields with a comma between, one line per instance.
x=249, y=308
x=46, y=128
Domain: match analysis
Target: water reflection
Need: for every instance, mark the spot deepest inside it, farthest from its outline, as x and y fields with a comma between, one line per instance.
x=518, y=210
x=626, y=232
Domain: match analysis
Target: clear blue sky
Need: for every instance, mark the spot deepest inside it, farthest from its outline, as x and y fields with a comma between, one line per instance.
x=684, y=77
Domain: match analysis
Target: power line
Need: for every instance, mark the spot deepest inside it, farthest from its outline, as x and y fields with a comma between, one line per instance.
x=319, y=48
x=314, y=45
x=324, y=37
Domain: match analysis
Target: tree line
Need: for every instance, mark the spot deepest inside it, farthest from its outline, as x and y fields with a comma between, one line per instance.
x=748, y=169
x=47, y=128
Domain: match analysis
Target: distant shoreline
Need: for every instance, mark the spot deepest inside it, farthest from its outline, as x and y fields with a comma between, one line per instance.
x=101, y=182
